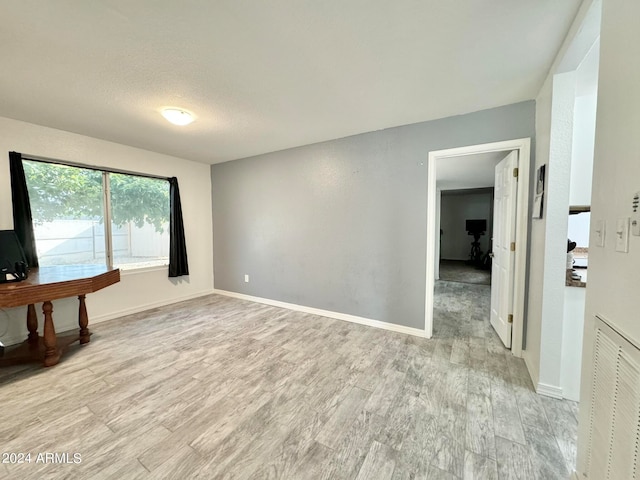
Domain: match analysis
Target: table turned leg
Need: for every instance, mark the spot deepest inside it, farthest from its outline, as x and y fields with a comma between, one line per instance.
x=32, y=326
x=83, y=321
x=51, y=355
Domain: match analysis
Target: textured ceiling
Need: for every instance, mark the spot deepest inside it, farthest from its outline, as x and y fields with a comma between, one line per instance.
x=264, y=76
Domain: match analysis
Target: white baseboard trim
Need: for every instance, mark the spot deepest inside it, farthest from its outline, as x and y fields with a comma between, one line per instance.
x=19, y=338
x=533, y=373
x=327, y=313
x=146, y=306
x=549, y=390
x=14, y=340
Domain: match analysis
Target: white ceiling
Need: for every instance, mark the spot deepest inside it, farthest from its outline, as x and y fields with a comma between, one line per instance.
x=468, y=171
x=264, y=76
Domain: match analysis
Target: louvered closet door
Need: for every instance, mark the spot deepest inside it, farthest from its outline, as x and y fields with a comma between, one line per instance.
x=614, y=429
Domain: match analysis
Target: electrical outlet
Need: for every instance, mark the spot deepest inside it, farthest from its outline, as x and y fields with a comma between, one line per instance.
x=600, y=227
x=246, y=278
x=622, y=235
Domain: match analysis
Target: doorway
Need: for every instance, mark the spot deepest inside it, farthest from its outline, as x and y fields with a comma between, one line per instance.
x=466, y=227
x=521, y=214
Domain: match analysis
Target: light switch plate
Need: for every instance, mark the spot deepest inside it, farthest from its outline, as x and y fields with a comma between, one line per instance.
x=622, y=235
x=600, y=232
x=635, y=217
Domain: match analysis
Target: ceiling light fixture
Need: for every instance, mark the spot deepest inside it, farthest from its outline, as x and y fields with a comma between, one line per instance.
x=177, y=116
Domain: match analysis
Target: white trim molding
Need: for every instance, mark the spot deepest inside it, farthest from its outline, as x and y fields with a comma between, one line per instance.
x=523, y=145
x=16, y=339
x=534, y=373
x=326, y=313
x=147, y=306
x=549, y=390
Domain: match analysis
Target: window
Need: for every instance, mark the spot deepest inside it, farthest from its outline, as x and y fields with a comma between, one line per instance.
x=86, y=216
x=578, y=231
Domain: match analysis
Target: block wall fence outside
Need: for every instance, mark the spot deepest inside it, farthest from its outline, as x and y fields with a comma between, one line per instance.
x=82, y=241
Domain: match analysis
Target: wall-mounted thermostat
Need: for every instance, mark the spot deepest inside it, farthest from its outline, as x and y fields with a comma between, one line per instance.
x=635, y=216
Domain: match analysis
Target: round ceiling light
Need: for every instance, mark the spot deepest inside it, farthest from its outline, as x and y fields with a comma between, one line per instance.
x=177, y=116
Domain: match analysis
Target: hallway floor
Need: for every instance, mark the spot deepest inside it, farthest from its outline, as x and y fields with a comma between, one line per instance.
x=459, y=271
x=530, y=435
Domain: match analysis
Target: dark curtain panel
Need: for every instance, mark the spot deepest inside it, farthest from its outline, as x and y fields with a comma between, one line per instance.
x=178, y=265
x=22, y=219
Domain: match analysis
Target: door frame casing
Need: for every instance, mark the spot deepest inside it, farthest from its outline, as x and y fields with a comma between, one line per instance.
x=523, y=145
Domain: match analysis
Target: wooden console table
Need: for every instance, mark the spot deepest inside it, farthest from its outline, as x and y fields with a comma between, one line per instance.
x=46, y=284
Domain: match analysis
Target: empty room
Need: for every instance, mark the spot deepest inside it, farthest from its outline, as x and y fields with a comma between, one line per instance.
x=319, y=240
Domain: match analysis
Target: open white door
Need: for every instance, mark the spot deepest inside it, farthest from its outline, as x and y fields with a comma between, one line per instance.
x=504, y=235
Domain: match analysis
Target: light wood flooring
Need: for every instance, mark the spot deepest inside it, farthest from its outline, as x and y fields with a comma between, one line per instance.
x=223, y=388
x=459, y=271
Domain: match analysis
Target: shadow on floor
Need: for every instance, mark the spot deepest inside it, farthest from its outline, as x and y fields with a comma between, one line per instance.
x=459, y=271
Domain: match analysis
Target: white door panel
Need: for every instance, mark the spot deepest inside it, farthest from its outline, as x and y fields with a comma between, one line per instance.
x=504, y=231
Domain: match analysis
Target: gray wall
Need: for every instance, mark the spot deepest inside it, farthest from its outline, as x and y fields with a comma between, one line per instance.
x=341, y=225
x=456, y=209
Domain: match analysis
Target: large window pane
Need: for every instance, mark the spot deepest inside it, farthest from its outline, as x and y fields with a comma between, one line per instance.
x=67, y=204
x=140, y=221
x=68, y=217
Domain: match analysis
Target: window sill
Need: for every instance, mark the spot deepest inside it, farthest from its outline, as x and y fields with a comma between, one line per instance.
x=134, y=271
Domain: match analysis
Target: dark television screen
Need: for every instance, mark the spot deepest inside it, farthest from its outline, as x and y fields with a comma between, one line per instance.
x=476, y=226
x=10, y=253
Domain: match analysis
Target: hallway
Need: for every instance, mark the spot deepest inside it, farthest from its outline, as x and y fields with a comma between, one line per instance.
x=530, y=435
